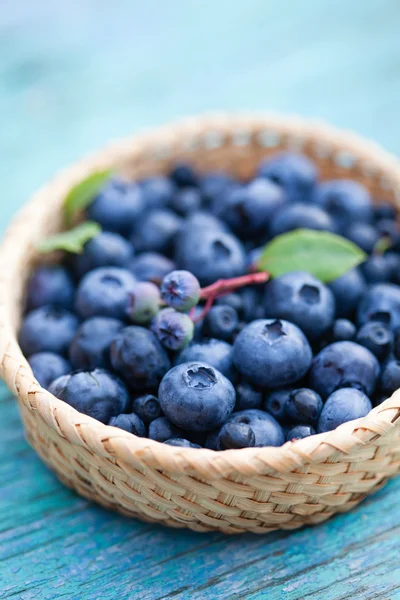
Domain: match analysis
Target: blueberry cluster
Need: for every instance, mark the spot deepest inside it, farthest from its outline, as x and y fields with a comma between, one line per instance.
x=120, y=331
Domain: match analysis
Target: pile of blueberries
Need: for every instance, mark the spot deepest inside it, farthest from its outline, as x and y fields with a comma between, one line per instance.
x=119, y=331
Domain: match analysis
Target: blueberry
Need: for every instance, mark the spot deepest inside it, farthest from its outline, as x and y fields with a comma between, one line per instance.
x=187, y=201
x=389, y=229
x=201, y=219
x=247, y=396
x=183, y=175
x=180, y=290
x=47, y=367
x=342, y=330
x=249, y=208
x=384, y=210
x=377, y=269
x=107, y=249
x=236, y=435
x=234, y=300
x=97, y=393
x=157, y=192
x=196, y=397
x=47, y=329
x=211, y=255
x=144, y=302
x=214, y=185
x=266, y=429
x=295, y=173
x=156, y=231
x=348, y=291
x=138, y=356
x=118, y=206
x=377, y=337
x=343, y=405
x=299, y=432
x=300, y=216
x=174, y=329
x=272, y=353
x=343, y=365
x=393, y=260
x=131, y=423
x=303, y=407
x=364, y=235
x=346, y=200
x=105, y=292
x=303, y=300
x=217, y=353
x=50, y=285
x=147, y=407
x=181, y=443
x=380, y=303
x=275, y=402
x=221, y=323
x=390, y=377
x=162, y=430
x=151, y=266
x=252, y=302
x=90, y=347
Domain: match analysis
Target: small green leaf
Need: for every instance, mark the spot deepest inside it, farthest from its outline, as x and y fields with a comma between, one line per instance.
x=383, y=244
x=325, y=255
x=81, y=195
x=70, y=241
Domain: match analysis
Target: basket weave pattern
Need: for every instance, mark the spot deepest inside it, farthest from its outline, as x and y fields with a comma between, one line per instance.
x=255, y=489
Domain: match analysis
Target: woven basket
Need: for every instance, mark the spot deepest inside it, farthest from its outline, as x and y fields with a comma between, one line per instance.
x=255, y=489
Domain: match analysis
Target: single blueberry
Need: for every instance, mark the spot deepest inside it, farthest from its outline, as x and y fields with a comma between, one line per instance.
x=247, y=396
x=221, y=323
x=47, y=329
x=380, y=303
x=343, y=365
x=348, y=291
x=377, y=269
x=196, y=397
x=118, y=206
x=202, y=219
x=272, y=353
x=214, y=186
x=384, y=210
x=180, y=290
x=97, y=393
x=295, y=173
x=90, y=347
x=47, y=367
x=107, y=249
x=393, y=260
x=299, y=432
x=147, y=407
x=105, y=292
x=364, y=235
x=138, y=356
x=300, y=216
x=303, y=407
x=236, y=435
x=390, y=377
x=266, y=429
x=389, y=229
x=157, y=192
x=162, y=430
x=346, y=200
x=50, y=285
x=184, y=175
x=377, y=337
x=216, y=353
x=156, y=231
x=303, y=300
x=144, y=302
x=343, y=329
x=181, y=443
x=275, y=402
x=131, y=423
x=187, y=201
x=151, y=266
x=234, y=299
x=343, y=405
x=174, y=329
x=210, y=255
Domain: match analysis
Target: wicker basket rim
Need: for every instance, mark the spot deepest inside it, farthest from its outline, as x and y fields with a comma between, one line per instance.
x=124, y=447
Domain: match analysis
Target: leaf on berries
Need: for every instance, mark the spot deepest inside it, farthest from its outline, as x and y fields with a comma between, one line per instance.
x=325, y=255
x=72, y=241
x=83, y=194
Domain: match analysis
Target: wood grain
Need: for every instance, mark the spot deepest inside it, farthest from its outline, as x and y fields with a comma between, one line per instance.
x=73, y=75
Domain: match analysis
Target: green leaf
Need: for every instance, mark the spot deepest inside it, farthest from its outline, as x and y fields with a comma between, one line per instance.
x=70, y=241
x=325, y=255
x=383, y=244
x=80, y=196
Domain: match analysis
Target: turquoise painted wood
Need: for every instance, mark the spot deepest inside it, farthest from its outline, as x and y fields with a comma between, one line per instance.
x=74, y=74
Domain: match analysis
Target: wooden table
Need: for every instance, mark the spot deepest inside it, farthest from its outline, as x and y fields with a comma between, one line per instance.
x=75, y=74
